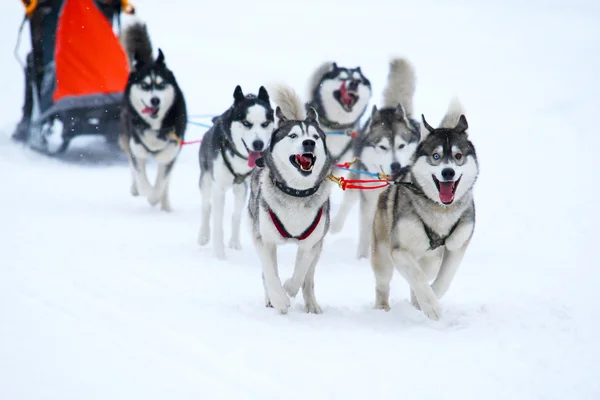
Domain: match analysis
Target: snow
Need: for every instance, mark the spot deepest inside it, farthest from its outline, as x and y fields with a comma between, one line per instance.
x=102, y=296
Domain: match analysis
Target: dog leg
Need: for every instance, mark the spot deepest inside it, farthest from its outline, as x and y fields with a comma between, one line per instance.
x=267, y=300
x=239, y=193
x=367, y=214
x=161, y=183
x=450, y=263
x=141, y=178
x=217, y=222
x=308, y=287
x=277, y=296
x=383, y=269
x=304, y=259
x=205, y=190
x=165, y=204
x=350, y=197
x=412, y=272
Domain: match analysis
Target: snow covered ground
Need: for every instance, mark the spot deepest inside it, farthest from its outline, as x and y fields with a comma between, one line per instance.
x=104, y=297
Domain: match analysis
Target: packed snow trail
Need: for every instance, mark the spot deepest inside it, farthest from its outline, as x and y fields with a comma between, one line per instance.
x=102, y=296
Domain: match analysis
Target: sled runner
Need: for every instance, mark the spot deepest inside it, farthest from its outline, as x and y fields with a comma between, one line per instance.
x=75, y=73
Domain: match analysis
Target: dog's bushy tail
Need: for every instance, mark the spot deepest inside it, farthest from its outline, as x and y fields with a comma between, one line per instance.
x=455, y=110
x=136, y=42
x=315, y=78
x=401, y=85
x=290, y=103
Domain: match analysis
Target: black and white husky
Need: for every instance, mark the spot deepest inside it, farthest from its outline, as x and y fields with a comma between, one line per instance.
x=228, y=155
x=153, y=116
x=289, y=201
x=423, y=227
x=340, y=96
x=385, y=145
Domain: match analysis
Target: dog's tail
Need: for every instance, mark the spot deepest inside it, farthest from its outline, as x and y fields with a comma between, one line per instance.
x=290, y=103
x=455, y=110
x=136, y=42
x=401, y=85
x=315, y=78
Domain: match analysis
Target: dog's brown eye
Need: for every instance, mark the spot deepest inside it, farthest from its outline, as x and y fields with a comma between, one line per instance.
x=458, y=156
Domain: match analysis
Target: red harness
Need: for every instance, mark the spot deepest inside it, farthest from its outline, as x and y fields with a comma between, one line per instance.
x=287, y=235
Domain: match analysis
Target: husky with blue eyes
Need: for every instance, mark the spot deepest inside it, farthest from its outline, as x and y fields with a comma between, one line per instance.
x=228, y=155
x=424, y=224
x=289, y=201
x=385, y=145
x=153, y=116
x=340, y=96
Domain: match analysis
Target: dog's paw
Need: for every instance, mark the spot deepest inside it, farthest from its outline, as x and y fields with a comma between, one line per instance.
x=235, y=244
x=312, y=307
x=431, y=307
x=203, y=238
x=290, y=289
x=166, y=207
x=153, y=198
x=134, y=190
x=219, y=253
x=382, y=305
x=280, y=301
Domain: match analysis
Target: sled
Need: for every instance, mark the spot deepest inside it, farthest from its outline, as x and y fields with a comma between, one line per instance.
x=75, y=73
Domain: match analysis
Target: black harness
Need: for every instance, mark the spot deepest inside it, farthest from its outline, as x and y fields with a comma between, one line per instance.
x=227, y=145
x=435, y=240
x=162, y=134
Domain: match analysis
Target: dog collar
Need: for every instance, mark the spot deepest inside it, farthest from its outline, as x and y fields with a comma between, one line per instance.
x=295, y=192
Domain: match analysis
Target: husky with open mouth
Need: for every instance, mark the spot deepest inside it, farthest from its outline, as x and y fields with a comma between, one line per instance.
x=423, y=227
x=228, y=155
x=153, y=116
x=385, y=145
x=289, y=201
x=340, y=96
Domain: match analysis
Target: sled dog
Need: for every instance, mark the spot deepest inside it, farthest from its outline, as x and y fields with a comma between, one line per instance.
x=289, y=200
x=153, y=116
x=423, y=227
x=340, y=96
x=385, y=145
x=228, y=155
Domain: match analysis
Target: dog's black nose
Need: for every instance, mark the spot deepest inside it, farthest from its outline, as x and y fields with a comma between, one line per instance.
x=353, y=84
x=155, y=101
x=258, y=145
x=448, y=173
x=309, y=145
x=396, y=167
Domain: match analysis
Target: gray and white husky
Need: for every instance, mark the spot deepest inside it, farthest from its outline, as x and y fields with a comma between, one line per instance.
x=228, y=154
x=340, y=97
x=385, y=145
x=153, y=116
x=423, y=227
x=289, y=200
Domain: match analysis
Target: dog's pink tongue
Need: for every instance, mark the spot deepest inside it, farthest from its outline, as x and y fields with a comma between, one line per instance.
x=148, y=110
x=446, y=195
x=303, y=161
x=252, y=157
x=346, y=98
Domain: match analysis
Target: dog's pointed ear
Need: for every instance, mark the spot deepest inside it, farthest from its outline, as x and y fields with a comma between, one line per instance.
x=263, y=94
x=312, y=116
x=401, y=112
x=280, y=116
x=462, y=125
x=358, y=70
x=238, y=95
x=334, y=66
x=260, y=162
x=160, y=59
x=426, y=125
x=374, y=112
